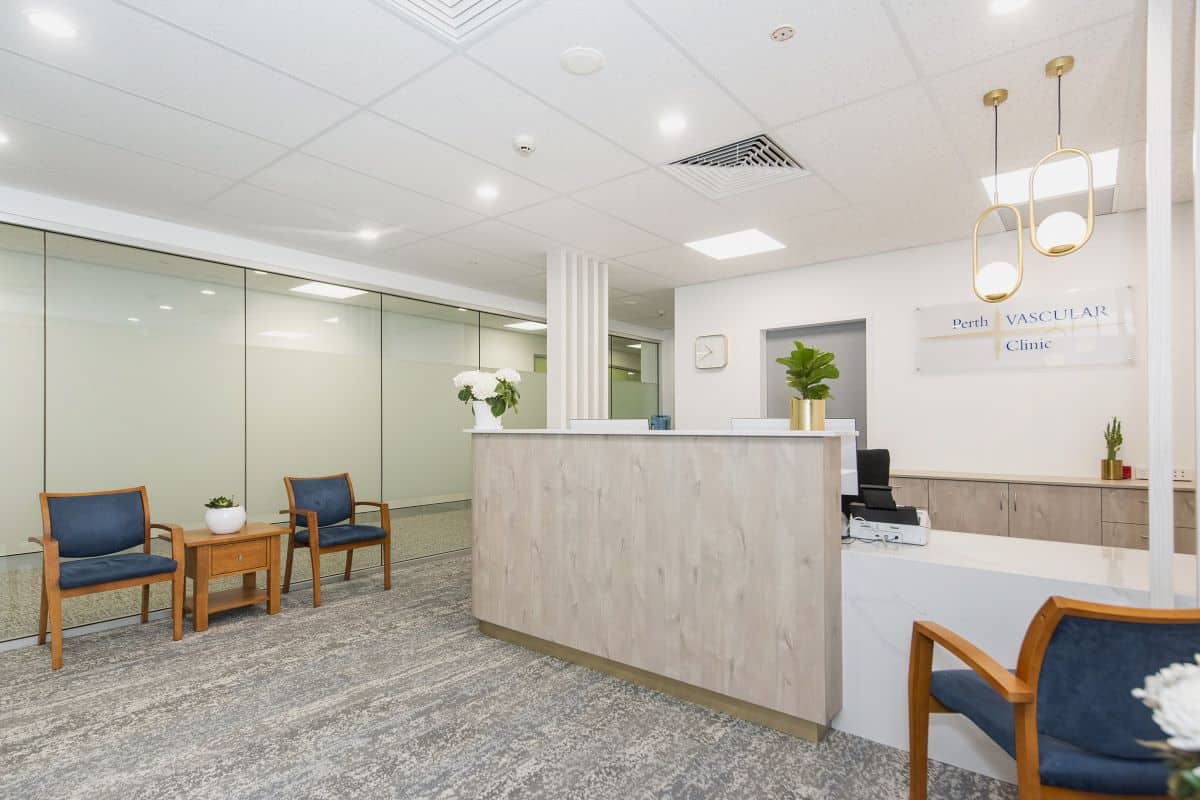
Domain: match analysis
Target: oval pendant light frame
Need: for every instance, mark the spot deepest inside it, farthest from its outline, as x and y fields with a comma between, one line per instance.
x=992, y=100
x=1056, y=68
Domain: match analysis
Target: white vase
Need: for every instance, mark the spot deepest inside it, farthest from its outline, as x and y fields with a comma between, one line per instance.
x=484, y=419
x=225, y=520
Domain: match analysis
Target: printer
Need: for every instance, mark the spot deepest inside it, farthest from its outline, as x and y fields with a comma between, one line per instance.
x=873, y=514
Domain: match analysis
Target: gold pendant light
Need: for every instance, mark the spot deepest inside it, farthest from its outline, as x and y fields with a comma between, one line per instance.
x=997, y=280
x=1063, y=232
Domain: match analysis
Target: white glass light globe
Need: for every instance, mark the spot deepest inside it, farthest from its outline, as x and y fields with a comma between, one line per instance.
x=996, y=280
x=1061, y=232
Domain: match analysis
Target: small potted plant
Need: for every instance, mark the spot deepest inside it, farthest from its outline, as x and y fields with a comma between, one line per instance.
x=1111, y=467
x=223, y=515
x=807, y=370
x=489, y=394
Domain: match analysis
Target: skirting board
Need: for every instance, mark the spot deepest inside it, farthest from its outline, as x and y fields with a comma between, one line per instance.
x=750, y=712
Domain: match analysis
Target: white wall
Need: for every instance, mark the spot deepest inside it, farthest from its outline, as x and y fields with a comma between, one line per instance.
x=1046, y=421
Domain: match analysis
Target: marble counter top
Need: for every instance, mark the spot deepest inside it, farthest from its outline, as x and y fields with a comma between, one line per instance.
x=1047, y=480
x=726, y=433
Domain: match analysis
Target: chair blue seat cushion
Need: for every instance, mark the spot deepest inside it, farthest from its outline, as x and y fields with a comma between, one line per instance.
x=335, y=535
x=90, y=571
x=1062, y=764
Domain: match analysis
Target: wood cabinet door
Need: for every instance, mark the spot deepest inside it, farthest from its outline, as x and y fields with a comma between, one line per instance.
x=1055, y=513
x=911, y=492
x=969, y=506
x=1128, y=534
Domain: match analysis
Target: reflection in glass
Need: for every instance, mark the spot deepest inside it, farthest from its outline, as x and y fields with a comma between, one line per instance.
x=520, y=344
x=633, y=378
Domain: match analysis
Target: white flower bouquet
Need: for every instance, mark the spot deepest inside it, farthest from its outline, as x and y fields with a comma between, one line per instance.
x=498, y=389
x=1173, y=693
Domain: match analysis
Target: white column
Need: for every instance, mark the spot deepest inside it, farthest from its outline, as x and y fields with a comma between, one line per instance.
x=576, y=338
x=1158, y=298
x=1196, y=281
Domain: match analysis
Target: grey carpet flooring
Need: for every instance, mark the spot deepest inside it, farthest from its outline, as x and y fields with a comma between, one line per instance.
x=392, y=695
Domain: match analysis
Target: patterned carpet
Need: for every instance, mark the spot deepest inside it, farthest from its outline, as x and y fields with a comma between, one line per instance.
x=391, y=695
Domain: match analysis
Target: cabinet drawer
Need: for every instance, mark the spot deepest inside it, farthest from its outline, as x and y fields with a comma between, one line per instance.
x=1055, y=513
x=1126, y=534
x=1133, y=506
x=969, y=506
x=911, y=492
x=238, y=557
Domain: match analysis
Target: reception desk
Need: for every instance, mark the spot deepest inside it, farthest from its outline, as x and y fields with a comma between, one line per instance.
x=706, y=565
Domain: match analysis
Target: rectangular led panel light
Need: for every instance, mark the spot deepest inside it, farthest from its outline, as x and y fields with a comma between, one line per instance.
x=736, y=245
x=1064, y=176
x=328, y=290
x=527, y=326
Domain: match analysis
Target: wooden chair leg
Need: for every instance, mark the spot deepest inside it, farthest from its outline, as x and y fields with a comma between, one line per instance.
x=43, y=610
x=920, y=671
x=349, y=561
x=177, y=587
x=145, y=603
x=287, y=572
x=54, y=599
x=315, y=555
x=387, y=562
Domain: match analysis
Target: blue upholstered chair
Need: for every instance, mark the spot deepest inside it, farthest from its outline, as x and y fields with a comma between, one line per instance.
x=82, y=538
x=321, y=514
x=1066, y=714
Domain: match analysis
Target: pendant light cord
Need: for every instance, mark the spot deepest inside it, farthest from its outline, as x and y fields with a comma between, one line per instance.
x=1060, y=105
x=996, y=153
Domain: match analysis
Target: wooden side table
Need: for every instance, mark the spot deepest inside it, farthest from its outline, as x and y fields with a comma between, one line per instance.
x=210, y=555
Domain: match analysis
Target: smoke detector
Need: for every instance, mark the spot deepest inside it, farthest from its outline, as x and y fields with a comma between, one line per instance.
x=524, y=144
x=783, y=33
x=581, y=60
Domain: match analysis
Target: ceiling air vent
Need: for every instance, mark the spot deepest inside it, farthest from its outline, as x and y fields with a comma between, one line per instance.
x=453, y=19
x=739, y=167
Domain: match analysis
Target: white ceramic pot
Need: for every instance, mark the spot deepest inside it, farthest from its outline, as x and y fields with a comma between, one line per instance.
x=225, y=520
x=484, y=421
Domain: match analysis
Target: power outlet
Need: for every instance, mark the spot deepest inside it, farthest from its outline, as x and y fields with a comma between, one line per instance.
x=1177, y=474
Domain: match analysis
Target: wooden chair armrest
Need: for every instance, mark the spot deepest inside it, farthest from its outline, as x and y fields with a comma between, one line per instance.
x=174, y=535
x=370, y=503
x=1007, y=685
x=168, y=527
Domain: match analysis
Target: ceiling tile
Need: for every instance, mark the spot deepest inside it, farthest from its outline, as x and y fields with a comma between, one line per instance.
x=124, y=48
x=376, y=146
x=683, y=266
x=506, y=241
x=275, y=217
x=352, y=48
x=45, y=160
x=332, y=186
x=844, y=51
x=947, y=34
x=654, y=310
x=808, y=195
x=445, y=261
x=471, y=108
x=1092, y=92
x=48, y=96
x=644, y=77
x=634, y=280
x=584, y=228
x=661, y=205
x=891, y=146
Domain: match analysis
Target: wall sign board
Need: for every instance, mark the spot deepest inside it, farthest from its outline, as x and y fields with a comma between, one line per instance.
x=1093, y=326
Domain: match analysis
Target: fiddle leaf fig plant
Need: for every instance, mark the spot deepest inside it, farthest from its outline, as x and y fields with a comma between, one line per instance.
x=807, y=370
x=1113, y=438
x=220, y=502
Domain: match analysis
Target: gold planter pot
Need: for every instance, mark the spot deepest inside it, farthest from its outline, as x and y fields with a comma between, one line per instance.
x=808, y=415
x=1111, y=470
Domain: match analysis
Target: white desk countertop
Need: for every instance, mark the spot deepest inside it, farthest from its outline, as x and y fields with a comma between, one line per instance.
x=743, y=434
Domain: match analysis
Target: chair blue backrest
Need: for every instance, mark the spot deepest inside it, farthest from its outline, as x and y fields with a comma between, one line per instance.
x=329, y=497
x=1089, y=670
x=97, y=524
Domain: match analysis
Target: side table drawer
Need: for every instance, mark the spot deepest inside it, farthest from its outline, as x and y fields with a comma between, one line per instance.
x=238, y=557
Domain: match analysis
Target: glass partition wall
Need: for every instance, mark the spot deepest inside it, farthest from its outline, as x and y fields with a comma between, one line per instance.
x=632, y=378
x=126, y=367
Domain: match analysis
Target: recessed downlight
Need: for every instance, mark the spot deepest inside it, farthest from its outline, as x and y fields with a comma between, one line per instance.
x=581, y=60
x=999, y=7
x=672, y=123
x=52, y=23
x=783, y=33
x=487, y=191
